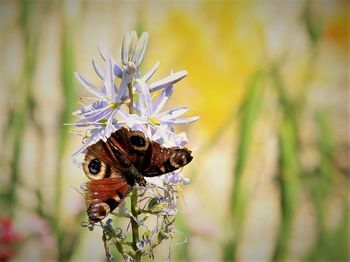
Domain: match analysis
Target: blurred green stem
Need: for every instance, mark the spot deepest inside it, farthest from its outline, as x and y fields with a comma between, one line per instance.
x=64, y=240
x=288, y=171
x=250, y=111
x=23, y=108
x=288, y=168
x=134, y=224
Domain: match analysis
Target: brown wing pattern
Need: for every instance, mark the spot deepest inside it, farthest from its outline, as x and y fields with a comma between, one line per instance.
x=106, y=188
x=104, y=195
x=130, y=144
x=106, y=164
x=163, y=160
x=149, y=157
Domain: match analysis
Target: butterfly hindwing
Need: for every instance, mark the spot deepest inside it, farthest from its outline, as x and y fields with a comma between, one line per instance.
x=162, y=160
x=104, y=195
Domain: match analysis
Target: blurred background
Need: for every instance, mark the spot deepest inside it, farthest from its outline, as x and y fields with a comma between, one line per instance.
x=270, y=82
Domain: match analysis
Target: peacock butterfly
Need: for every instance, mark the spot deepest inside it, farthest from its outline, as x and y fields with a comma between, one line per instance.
x=124, y=159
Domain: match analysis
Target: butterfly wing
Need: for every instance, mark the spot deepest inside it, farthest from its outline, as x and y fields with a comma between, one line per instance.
x=160, y=160
x=130, y=144
x=149, y=157
x=104, y=195
x=100, y=162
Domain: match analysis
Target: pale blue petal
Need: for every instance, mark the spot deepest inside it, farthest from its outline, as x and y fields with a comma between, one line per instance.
x=90, y=87
x=137, y=107
x=118, y=71
x=96, y=134
x=181, y=139
x=144, y=98
x=176, y=139
x=172, y=178
x=150, y=73
x=94, y=106
x=162, y=99
x=103, y=51
x=167, y=81
x=172, y=113
x=98, y=69
x=125, y=48
x=181, y=121
x=128, y=75
x=161, y=131
x=138, y=72
x=132, y=45
x=137, y=127
x=108, y=80
x=104, y=54
x=131, y=119
x=97, y=116
x=140, y=49
x=110, y=127
x=95, y=112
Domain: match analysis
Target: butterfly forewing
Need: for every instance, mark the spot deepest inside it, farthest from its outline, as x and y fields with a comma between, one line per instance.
x=131, y=144
x=100, y=162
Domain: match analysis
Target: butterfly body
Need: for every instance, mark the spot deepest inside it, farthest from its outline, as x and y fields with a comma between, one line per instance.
x=124, y=159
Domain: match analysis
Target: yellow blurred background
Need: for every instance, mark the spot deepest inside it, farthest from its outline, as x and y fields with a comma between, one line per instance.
x=270, y=82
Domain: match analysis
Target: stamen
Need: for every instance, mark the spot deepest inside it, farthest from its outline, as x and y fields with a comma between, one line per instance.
x=153, y=120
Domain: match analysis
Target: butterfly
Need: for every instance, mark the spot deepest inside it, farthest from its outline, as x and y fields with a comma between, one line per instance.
x=125, y=158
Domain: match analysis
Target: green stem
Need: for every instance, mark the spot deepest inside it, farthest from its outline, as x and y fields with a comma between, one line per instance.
x=134, y=224
x=134, y=196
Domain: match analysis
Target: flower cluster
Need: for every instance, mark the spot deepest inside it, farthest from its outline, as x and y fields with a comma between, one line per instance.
x=128, y=98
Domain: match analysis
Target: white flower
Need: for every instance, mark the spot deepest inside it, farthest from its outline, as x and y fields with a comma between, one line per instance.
x=150, y=119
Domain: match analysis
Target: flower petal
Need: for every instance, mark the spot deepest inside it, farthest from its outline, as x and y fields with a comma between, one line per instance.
x=108, y=80
x=92, y=107
x=150, y=73
x=167, y=81
x=96, y=116
x=93, y=138
x=125, y=48
x=98, y=69
x=131, y=119
x=132, y=45
x=163, y=98
x=110, y=127
x=172, y=178
x=95, y=112
x=103, y=51
x=128, y=75
x=90, y=87
x=172, y=113
x=140, y=49
x=144, y=98
x=181, y=121
x=118, y=71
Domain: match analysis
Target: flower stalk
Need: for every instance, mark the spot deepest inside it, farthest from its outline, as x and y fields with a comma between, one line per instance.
x=106, y=114
x=134, y=196
x=134, y=224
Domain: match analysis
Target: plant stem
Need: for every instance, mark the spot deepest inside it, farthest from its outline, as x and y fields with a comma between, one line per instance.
x=134, y=224
x=134, y=196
